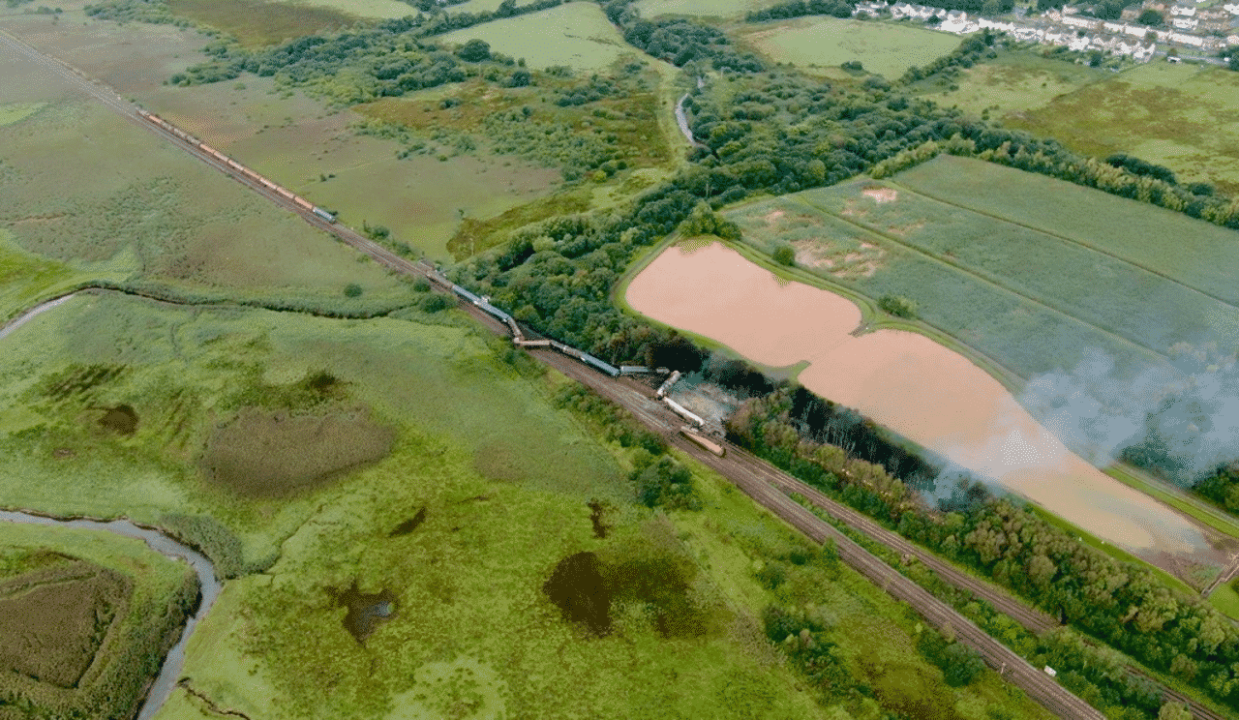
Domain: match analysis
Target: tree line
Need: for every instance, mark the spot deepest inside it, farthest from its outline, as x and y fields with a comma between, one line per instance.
x=1123, y=605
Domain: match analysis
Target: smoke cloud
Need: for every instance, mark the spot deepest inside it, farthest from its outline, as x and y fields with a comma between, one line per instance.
x=1181, y=419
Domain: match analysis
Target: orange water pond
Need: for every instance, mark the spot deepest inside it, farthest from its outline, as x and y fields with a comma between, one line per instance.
x=906, y=382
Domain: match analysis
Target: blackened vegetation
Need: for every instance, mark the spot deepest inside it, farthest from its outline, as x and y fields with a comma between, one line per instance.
x=577, y=588
x=77, y=381
x=409, y=525
x=595, y=518
x=366, y=611
x=586, y=589
x=122, y=420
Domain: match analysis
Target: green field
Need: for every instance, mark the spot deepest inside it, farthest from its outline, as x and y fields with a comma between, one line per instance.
x=972, y=244
x=93, y=614
x=575, y=34
x=1181, y=116
x=820, y=45
x=1011, y=84
x=165, y=222
x=258, y=22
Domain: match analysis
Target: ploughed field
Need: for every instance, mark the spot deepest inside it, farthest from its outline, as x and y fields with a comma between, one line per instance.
x=905, y=381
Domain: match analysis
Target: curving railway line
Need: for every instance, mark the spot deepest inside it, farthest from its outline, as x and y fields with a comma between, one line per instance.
x=766, y=485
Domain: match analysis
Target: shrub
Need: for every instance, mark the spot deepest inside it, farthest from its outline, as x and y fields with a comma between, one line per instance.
x=898, y=305
x=785, y=255
x=435, y=302
x=352, y=290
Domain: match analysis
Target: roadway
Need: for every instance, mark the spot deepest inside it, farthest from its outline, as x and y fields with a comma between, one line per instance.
x=766, y=485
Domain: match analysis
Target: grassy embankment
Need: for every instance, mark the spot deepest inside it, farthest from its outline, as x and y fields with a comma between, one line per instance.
x=819, y=45
x=93, y=613
x=1010, y=85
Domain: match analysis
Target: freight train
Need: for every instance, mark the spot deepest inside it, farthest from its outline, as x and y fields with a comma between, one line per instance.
x=238, y=167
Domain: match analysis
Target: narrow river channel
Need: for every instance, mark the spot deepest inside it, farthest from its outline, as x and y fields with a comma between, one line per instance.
x=165, y=682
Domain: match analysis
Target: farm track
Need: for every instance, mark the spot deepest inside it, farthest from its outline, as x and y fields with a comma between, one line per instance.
x=766, y=485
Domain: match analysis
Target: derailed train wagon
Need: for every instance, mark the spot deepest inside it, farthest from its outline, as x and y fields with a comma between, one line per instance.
x=703, y=441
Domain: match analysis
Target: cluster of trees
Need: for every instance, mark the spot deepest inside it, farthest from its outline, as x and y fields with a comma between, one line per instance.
x=1222, y=487
x=658, y=480
x=801, y=8
x=704, y=221
x=389, y=58
x=679, y=41
x=148, y=11
x=971, y=51
x=898, y=305
x=1123, y=605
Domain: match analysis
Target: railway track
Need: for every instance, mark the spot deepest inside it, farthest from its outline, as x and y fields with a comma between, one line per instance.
x=766, y=485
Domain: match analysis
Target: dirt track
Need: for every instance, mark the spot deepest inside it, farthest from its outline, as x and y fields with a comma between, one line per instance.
x=764, y=484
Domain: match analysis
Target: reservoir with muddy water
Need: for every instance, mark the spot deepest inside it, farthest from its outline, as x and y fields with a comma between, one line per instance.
x=909, y=383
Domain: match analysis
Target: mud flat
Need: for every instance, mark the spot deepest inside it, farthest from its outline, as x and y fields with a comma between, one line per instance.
x=907, y=382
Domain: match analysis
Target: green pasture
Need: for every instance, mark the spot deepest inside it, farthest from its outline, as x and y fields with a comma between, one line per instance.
x=1225, y=599
x=982, y=315
x=1010, y=85
x=820, y=44
x=1191, y=252
x=971, y=243
x=11, y=113
x=575, y=34
x=1178, y=115
x=143, y=613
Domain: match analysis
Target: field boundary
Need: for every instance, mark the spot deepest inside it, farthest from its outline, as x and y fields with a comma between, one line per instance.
x=1064, y=238
x=981, y=278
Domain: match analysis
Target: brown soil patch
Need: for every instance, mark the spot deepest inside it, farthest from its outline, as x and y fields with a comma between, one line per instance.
x=53, y=621
x=121, y=419
x=880, y=195
x=365, y=611
x=270, y=454
x=905, y=381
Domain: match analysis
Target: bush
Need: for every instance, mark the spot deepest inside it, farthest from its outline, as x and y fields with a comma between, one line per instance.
x=436, y=302
x=785, y=255
x=898, y=305
x=352, y=290
x=421, y=285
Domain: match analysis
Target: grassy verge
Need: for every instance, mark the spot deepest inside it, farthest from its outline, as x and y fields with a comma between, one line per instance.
x=1176, y=499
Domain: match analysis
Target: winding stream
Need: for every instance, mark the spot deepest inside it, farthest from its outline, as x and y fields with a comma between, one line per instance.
x=209, y=586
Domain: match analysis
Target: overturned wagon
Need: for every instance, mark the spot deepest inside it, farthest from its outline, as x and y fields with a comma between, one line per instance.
x=703, y=441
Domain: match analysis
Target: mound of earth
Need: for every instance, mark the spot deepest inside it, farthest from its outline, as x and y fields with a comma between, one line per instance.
x=270, y=454
x=53, y=620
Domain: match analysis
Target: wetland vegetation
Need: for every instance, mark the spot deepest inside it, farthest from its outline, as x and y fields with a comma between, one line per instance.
x=409, y=515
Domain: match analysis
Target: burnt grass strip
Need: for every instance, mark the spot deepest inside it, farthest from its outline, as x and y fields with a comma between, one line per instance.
x=409, y=525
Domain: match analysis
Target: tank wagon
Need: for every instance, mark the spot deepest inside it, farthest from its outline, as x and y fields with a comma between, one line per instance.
x=634, y=370
x=179, y=133
x=703, y=441
x=666, y=386
x=684, y=412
